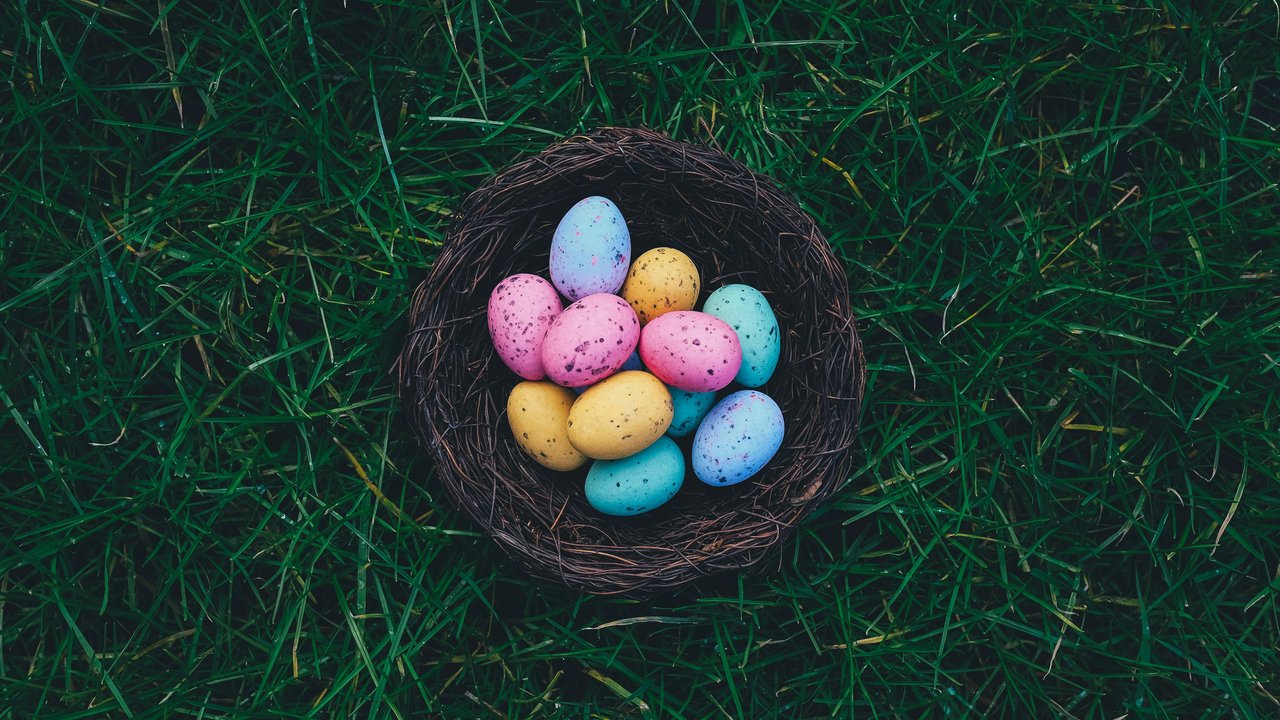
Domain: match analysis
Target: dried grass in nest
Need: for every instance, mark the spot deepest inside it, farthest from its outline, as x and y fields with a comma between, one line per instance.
x=738, y=226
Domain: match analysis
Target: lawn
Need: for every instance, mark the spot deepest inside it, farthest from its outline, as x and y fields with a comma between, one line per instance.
x=1061, y=228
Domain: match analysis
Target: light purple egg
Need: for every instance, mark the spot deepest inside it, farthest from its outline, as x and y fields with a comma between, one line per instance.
x=590, y=340
x=691, y=350
x=521, y=310
x=591, y=249
x=738, y=438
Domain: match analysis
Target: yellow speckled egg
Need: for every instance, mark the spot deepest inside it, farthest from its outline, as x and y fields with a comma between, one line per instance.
x=539, y=416
x=620, y=415
x=662, y=280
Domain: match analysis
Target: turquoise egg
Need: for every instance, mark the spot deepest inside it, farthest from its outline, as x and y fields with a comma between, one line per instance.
x=737, y=439
x=748, y=312
x=690, y=408
x=638, y=483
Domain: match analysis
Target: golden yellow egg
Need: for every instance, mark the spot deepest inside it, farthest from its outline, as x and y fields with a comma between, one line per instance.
x=660, y=281
x=539, y=416
x=620, y=415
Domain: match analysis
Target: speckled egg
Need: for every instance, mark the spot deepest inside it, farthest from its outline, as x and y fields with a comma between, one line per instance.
x=738, y=438
x=690, y=408
x=632, y=363
x=660, y=281
x=590, y=340
x=633, y=360
x=521, y=309
x=591, y=249
x=638, y=483
x=748, y=312
x=538, y=413
x=620, y=415
x=691, y=350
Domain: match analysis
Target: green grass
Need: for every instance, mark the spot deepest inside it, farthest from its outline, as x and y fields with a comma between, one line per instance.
x=1060, y=228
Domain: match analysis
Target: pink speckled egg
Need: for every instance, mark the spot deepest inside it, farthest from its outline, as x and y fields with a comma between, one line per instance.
x=590, y=340
x=521, y=310
x=691, y=350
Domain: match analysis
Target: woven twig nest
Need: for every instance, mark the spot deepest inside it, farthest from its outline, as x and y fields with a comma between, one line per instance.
x=738, y=226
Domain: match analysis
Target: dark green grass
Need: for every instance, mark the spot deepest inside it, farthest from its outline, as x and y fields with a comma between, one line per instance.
x=1060, y=228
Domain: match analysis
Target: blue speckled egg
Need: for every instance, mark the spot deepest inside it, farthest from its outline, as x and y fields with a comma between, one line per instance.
x=631, y=363
x=690, y=408
x=739, y=436
x=749, y=314
x=638, y=483
x=591, y=249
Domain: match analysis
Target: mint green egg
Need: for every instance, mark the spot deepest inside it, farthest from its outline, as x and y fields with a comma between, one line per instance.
x=690, y=408
x=748, y=312
x=638, y=483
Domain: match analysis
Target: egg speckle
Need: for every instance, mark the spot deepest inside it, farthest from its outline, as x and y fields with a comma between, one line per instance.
x=590, y=340
x=660, y=281
x=738, y=438
x=638, y=483
x=748, y=312
x=538, y=413
x=591, y=249
x=521, y=310
x=691, y=350
x=620, y=415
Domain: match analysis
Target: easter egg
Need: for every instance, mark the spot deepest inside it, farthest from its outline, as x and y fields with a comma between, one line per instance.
x=591, y=249
x=660, y=281
x=633, y=360
x=689, y=409
x=620, y=415
x=738, y=437
x=538, y=413
x=638, y=483
x=590, y=340
x=521, y=310
x=632, y=363
x=690, y=350
x=748, y=312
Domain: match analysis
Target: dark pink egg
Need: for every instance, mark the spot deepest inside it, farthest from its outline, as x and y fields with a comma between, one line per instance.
x=590, y=340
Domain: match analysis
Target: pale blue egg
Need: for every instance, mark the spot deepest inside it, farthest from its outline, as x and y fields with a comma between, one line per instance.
x=738, y=438
x=638, y=483
x=690, y=408
x=748, y=312
x=591, y=249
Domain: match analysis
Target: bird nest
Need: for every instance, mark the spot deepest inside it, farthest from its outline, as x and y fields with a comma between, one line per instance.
x=738, y=226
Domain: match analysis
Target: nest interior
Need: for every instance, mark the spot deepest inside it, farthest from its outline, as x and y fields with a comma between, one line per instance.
x=738, y=226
